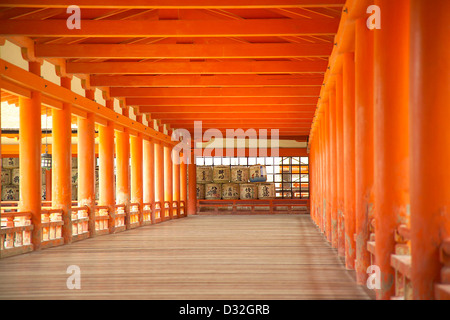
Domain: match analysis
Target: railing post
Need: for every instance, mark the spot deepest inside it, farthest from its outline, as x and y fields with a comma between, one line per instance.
x=30, y=158
x=62, y=163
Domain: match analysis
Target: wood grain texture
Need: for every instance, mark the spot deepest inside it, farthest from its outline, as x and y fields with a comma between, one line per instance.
x=201, y=257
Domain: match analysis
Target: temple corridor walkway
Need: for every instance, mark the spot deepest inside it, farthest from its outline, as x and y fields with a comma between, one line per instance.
x=199, y=257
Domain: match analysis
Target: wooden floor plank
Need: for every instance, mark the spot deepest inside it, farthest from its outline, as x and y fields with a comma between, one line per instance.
x=199, y=257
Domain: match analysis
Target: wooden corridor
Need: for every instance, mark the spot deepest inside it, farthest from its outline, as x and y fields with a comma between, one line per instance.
x=201, y=257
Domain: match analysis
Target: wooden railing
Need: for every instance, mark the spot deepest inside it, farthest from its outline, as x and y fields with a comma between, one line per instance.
x=442, y=289
x=147, y=213
x=80, y=223
x=182, y=209
x=272, y=206
x=167, y=208
x=102, y=218
x=15, y=233
x=135, y=215
x=401, y=262
x=158, y=212
x=51, y=224
x=120, y=217
x=16, y=227
x=175, y=209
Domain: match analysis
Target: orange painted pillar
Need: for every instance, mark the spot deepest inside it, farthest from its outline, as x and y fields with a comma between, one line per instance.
x=168, y=178
x=328, y=172
x=333, y=165
x=30, y=158
x=363, y=145
x=391, y=134
x=62, y=163
x=430, y=141
x=148, y=172
x=176, y=177
x=159, y=176
x=106, y=170
x=86, y=164
x=183, y=181
x=123, y=169
x=323, y=172
x=192, y=185
x=137, y=191
x=340, y=165
x=349, y=158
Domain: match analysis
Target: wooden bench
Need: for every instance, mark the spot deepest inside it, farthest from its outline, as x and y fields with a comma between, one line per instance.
x=270, y=206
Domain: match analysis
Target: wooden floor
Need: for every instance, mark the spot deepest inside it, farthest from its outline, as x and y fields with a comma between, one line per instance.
x=199, y=257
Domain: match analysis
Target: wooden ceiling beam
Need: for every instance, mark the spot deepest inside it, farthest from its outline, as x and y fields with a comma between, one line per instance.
x=171, y=28
x=183, y=51
x=222, y=101
x=174, y=4
x=205, y=116
x=226, y=67
x=204, y=81
x=215, y=92
x=229, y=109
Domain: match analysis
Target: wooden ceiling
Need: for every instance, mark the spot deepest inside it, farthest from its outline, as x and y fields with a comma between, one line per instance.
x=230, y=63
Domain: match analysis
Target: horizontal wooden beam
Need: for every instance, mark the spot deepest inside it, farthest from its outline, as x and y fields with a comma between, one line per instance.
x=222, y=101
x=173, y=4
x=280, y=126
x=22, y=78
x=215, y=92
x=228, y=109
x=171, y=28
x=249, y=116
x=174, y=81
x=226, y=67
x=254, y=123
x=184, y=51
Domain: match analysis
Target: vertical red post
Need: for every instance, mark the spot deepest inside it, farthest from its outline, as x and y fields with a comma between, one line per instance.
x=30, y=158
x=333, y=164
x=168, y=178
x=123, y=169
x=364, y=144
x=183, y=181
x=137, y=192
x=159, y=175
x=106, y=170
x=62, y=163
x=176, y=178
x=340, y=164
x=391, y=134
x=192, y=185
x=430, y=141
x=349, y=158
x=86, y=164
x=149, y=175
